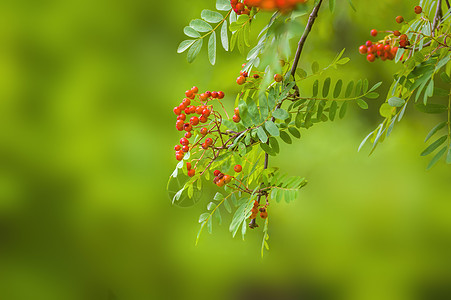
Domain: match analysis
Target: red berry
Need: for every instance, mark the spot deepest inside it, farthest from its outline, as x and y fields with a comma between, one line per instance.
x=186, y=102
x=208, y=94
x=191, y=173
x=403, y=43
x=243, y=65
x=194, y=121
x=371, y=57
x=185, y=148
x=177, y=110
x=179, y=123
x=241, y=80
x=188, y=166
x=216, y=172
x=208, y=141
x=220, y=95
x=188, y=135
x=363, y=49
x=204, y=146
x=394, y=50
x=179, y=155
x=240, y=7
x=418, y=10
x=192, y=109
x=256, y=76
x=194, y=89
x=379, y=53
x=396, y=33
x=243, y=73
x=203, y=131
x=199, y=110
x=227, y=178
x=373, y=32
x=187, y=127
x=206, y=112
x=236, y=111
x=203, y=119
x=278, y=78
x=387, y=48
x=189, y=93
x=371, y=49
x=184, y=141
x=236, y=118
x=214, y=94
x=368, y=43
x=380, y=47
x=179, y=127
x=399, y=19
x=177, y=147
x=238, y=168
x=203, y=97
x=181, y=117
x=187, y=111
x=220, y=183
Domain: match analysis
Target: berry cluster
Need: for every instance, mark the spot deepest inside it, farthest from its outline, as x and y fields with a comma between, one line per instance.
x=240, y=7
x=222, y=179
x=243, y=75
x=203, y=111
x=282, y=5
x=381, y=49
x=386, y=49
x=236, y=117
x=255, y=210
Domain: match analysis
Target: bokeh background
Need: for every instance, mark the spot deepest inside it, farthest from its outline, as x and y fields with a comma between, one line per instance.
x=86, y=148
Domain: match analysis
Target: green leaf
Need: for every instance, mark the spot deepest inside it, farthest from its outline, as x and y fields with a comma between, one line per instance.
x=352, y=5
x=315, y=88
x=362, y=103
x=365, y=85
x=434, y=145
x=274, y=144
x=185, y=45
x=272, y=128
x=295, y=132
x=223, y=5
x=218, y=196
x=429, y=91
x=358, y=87
x=189, y=31
x=203, y=217
x=267, y=149
x=372, y=95
x=333, y=110
x=431, y=108
x=448, y=156
x=280, y=114
x=194, y=51
x=386, y=110
x=262, y=134
x=434, y=130
x=326, y=87
x=227, y=206
x=436, y=158
x=212, y=48
x=211, y=205
x=200, y=25
x=224, y=36
x=211, y=16
x=375, y=86
x=396, y=102
x=343, y=109
x=298, y=120
x=315, y=67
x=332, y=5
x=337, y=89
x=285, y=137
x=349, y=89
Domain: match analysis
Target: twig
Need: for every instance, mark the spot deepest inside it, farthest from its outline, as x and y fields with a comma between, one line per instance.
x=438, y=17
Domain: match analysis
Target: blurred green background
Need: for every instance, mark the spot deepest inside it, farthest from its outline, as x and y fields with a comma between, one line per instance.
x=87, y=134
